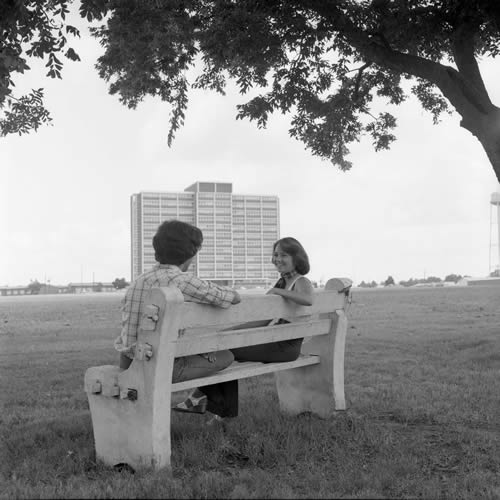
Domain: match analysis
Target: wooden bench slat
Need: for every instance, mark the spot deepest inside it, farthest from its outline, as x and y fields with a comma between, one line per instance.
x=243, y=370
x=257, y=307
x=215, y=341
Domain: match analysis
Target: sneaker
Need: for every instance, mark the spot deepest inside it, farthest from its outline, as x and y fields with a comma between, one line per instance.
x=192, y=405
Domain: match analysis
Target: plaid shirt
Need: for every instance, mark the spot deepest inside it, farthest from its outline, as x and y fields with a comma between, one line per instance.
x=193, y=289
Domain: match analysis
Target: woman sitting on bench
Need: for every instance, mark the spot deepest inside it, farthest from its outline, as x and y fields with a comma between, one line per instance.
x=292, y=262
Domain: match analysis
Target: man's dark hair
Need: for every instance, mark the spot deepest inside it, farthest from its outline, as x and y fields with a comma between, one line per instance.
x=176, y=241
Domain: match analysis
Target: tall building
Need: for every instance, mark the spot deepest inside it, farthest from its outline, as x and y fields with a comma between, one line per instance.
x=238, y=231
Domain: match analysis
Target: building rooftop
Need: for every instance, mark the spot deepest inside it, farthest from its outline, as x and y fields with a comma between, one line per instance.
x=211, y=187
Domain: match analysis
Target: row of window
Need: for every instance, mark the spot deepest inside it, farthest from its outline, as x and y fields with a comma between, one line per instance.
x=212, y=219
x=212, y=265
x=214, y=215
x=253, y=199
x=165, y=216
x=241, y=214
x=168, y=203
x=202, y=203
x=266, y=233
x=210, y=196
x=163, y=196
x=255, y=258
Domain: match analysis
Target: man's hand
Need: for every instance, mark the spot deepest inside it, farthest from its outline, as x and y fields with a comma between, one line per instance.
x=274, y=291
x=211, y=356
x=236, y=298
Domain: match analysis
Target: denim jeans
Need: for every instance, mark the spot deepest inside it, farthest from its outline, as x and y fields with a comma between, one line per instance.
x=222, y=398
x=197, y=366
x=274, y=352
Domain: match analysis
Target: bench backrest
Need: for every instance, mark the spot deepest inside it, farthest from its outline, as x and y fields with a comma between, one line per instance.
x=183, y=328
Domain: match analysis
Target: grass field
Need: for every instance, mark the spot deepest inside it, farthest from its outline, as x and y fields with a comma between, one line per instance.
x=422, y=387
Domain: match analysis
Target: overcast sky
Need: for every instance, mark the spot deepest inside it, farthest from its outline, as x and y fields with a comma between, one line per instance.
x=419, y=209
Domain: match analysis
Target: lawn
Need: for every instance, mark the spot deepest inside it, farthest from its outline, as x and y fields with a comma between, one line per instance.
x=422, y=388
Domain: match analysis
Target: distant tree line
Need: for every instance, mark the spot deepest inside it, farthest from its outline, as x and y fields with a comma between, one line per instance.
x=35, y=286
x=413, y=281
x=120, y=283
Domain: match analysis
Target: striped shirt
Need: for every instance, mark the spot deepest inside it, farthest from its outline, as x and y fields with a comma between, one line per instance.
x=193, y=289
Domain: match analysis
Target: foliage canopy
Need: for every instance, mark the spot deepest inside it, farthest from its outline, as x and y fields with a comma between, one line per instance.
x=326, y=62
x=36, y=29
x=35, y=286
x=322, y=61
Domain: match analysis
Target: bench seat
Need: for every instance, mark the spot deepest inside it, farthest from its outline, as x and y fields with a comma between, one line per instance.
x=236, y=371
x=244, y=369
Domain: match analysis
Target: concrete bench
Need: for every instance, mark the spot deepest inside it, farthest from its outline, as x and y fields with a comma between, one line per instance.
x=131, y=408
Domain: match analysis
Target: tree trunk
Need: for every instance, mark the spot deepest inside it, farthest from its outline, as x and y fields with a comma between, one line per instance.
x=487, y=130
x=479, y=116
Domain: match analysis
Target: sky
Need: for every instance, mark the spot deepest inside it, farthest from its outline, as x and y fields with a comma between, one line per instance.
x=420, y=209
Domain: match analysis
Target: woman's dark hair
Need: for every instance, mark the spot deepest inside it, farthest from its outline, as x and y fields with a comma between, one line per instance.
x=299, y=256
x=176, y=241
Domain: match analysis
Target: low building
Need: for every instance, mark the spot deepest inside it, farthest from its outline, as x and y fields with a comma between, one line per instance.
x=52, y=289
x=469, y=281
x=6, y=291
x=90, y=287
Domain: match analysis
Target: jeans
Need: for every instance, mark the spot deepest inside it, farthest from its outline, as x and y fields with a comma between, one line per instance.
x=274, y=352
x=197, y=366
x=223, y=397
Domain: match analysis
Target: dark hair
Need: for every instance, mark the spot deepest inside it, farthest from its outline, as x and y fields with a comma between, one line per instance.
x=299, y=256
x=176, y=241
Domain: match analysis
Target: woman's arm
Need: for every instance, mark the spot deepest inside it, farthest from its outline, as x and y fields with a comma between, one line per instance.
x=303, y=292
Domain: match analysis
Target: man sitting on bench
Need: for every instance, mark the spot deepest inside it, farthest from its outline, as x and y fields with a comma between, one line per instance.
x=175, y=244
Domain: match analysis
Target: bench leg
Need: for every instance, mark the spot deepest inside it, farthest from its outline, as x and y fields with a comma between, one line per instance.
x=128, y=431
x=119, y=439
x=317, y=388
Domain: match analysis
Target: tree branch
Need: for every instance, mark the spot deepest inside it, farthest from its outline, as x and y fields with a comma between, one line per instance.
x=454, y=86
x=355, y=94
x=462, y=44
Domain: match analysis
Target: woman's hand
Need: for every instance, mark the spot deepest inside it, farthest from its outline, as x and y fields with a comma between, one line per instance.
x=302, y=294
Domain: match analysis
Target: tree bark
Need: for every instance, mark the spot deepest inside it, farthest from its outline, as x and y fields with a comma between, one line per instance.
x=488, y=133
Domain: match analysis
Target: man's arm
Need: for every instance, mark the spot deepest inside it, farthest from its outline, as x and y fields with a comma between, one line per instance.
x=131, y=306
x=205, y=292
